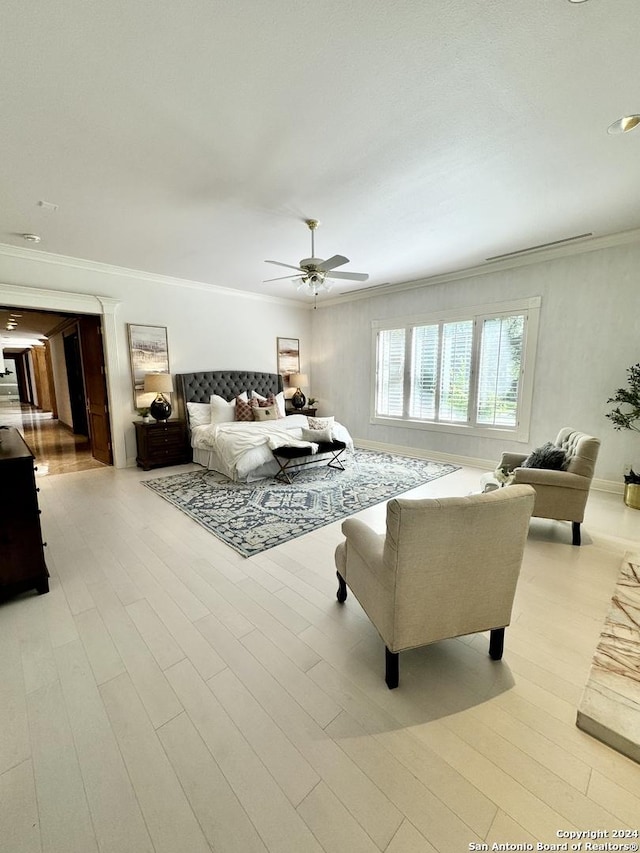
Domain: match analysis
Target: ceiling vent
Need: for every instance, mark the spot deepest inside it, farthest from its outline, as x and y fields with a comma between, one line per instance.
x=540, y=246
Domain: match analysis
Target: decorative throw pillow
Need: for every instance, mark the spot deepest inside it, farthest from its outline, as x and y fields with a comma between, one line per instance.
x=548, y=456
x=321, y=423
x=317, y=435
x=244, y=410
x=265, y=413
x=199, y=414
x=262, y=402
x=223, y=412
x=279, y=398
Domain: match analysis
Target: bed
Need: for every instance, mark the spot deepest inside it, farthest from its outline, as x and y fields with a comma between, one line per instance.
x=242, y=451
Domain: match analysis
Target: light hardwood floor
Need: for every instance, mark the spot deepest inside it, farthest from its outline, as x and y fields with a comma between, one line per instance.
x=56, y=448
x=168, y=695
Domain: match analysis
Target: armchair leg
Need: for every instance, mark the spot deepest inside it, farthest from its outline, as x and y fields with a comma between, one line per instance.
x=392, y=668
x=341, y=595
x=575, y=530
x=496, y=643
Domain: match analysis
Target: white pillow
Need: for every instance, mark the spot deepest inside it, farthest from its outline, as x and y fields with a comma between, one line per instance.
x=317, y=435
x=279, y=402
x=223, y=412
x=199, y=414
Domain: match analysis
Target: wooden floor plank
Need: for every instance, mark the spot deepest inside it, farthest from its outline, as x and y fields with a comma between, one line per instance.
x=65, y=820
x=153, y=688
x=364, y=800
x=19, y=823
x=225, y=823
x=170, y=820
x=270, y=811
x=291, y=771
x=105, y=779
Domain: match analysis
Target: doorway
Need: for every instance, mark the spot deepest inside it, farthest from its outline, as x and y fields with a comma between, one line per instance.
x=103, y=307
x=63, y=409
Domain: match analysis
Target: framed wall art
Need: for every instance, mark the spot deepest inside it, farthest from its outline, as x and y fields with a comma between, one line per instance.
x=149, y=351
x=288, y=356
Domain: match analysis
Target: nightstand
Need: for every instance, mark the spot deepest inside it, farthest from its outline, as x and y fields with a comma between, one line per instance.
x=311, y=413
x=161, y=443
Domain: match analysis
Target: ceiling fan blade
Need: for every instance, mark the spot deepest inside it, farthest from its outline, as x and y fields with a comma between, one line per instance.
x=280, y=278
x=354, y=276
x=331, y=263
x=280, y=264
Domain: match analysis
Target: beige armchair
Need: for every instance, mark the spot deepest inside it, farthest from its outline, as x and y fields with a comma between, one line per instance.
x=444, y=568
x=561, y=495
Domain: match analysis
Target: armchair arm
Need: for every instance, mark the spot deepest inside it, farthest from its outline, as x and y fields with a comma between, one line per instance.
x=509, y=461
x=365, y=541
x=547, y=477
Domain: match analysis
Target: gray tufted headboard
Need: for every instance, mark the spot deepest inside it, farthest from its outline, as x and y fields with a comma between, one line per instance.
x=198, y=387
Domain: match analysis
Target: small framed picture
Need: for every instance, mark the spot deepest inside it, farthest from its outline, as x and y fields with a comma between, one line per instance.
x=149, y=351
x=288, y=356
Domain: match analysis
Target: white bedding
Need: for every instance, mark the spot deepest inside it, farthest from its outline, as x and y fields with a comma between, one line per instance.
x=242, y=450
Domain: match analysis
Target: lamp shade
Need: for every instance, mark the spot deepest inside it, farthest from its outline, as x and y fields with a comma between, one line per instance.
x=159, y=383
x=298, y=379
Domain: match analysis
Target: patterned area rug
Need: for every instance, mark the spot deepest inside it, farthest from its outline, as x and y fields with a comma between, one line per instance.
x=254, y=517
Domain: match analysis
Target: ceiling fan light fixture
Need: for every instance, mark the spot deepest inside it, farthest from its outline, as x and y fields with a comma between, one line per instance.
x=624, y=124
x=315, y=272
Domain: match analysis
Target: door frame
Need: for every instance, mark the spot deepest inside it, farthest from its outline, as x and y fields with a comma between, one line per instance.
x=83, y=303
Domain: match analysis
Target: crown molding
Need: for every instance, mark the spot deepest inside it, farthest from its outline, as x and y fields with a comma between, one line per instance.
x=56, y=300
x=536, y=256
x=155, y=278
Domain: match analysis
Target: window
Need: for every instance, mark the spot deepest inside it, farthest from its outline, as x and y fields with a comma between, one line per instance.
x=465, y=369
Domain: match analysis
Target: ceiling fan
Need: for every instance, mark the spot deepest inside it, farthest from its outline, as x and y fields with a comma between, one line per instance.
x=314, y=273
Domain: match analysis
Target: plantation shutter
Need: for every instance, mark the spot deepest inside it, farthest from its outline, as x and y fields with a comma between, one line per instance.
x=390, y=374
x=499, y=370
x=424, y=372
x=455, y=372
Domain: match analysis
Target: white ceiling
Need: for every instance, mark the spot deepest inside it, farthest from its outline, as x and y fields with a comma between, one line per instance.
x=193, y=138
x=30, y=326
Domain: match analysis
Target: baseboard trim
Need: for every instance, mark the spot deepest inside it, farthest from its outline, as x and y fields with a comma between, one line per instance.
x=417, y=453
x=608, y=486
x=471, y=462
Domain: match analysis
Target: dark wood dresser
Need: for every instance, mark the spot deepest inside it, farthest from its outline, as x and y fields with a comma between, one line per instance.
x=162, y=443
x=22, y=564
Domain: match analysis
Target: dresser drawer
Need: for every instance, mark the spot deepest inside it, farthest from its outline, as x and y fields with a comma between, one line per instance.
x=164, y=439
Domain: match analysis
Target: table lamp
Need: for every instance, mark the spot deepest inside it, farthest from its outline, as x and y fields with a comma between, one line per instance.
x=298, y=400
x=159, y=384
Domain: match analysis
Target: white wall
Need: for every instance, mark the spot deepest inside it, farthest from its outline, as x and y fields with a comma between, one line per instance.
x=589, y=334
x=208, y=328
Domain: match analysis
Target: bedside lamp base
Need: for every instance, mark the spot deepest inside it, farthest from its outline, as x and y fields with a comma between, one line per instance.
x=160, y=409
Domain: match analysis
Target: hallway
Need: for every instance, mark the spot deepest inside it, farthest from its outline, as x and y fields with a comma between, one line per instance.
x=57, y=450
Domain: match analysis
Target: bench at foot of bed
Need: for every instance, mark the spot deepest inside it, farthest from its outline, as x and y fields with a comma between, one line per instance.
x=288, y=456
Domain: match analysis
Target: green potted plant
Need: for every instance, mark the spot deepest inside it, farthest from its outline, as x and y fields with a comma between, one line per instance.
x=144, y=414
x=628, y=418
